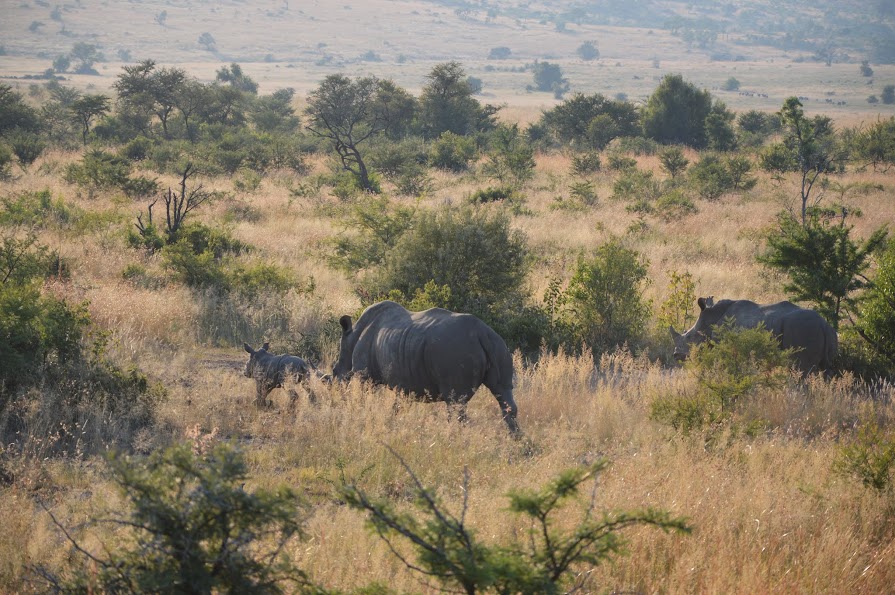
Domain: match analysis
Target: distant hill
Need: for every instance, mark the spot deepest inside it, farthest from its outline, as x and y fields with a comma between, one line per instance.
x=397, y=31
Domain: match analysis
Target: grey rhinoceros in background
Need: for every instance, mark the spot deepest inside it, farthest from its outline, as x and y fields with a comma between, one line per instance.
x=797, y=328
x=271, y=371
x=434, y=355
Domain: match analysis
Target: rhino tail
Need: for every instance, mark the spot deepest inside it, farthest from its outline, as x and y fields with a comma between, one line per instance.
x=831, y=347
x=499, y=362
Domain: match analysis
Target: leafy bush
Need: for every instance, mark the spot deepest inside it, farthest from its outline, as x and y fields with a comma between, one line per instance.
x=739, y=361
x=710, y=177
x=674, y=205
x=193, y=528
x=673, y=161
x=99, y=170
x=377, y=225
x=605, y=298
x=494, y=194
x=636, y=185
x=27, y=147
x=620, y=162
x=870, y=457
x=474, y=252
x=37, y=210
x=737, y=364
x=452, y=152
x=586, y=163
x=5, y=162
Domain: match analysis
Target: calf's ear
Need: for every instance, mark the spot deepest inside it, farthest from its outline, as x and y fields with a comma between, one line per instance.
x=345, y=322
x=701, y=302
x=248, y=348
x=266, y=346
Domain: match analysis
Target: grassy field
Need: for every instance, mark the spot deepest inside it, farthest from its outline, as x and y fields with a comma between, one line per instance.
x=769, y=512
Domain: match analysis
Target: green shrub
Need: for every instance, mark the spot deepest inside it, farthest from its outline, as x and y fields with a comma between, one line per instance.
x=251, y=281
x=674, y=205
x=635, y=145
x=474, y=252
x=494, y=194
x=584, y=164
x=196, y=269
x=137, y=149
x=605, y=298
x=673, y=161
x=38, y=210
x=710, y=177
x=452, y=152
x=376, y=225
x=193, y=528
x=27, y=147
x=637, y=185
x=621, y=162
x=870, y=457
x=99, y=170
x=738, y=362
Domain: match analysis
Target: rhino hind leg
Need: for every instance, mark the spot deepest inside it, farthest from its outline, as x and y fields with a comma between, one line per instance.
x=508, y=410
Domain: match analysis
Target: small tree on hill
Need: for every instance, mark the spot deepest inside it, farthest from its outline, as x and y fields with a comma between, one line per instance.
x=548, y=77
x=809, y=148
x=588, y=51
x=888, y=94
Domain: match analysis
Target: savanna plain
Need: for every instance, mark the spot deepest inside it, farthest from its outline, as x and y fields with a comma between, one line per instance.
x=284, y=241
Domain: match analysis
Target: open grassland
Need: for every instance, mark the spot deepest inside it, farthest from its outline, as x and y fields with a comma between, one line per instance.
x=768, y=511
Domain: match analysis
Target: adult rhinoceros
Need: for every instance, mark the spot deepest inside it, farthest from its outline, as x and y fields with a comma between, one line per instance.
x=271, y=371
x=801, y=329
x=434, y=355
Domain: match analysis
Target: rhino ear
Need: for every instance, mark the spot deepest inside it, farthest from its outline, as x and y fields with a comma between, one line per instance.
x=345, y=322
x=266, y=346
x=248, y=348
x=710, y=301
x=701, y=302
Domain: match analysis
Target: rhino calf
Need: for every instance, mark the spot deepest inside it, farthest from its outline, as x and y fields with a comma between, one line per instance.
x=271, y=371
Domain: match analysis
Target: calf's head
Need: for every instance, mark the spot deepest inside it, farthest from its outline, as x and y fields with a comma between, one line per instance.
x=694, y=336
x=254, y=356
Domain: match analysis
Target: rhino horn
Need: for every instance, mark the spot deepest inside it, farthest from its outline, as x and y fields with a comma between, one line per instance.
x=674, y=333
x=248, y=348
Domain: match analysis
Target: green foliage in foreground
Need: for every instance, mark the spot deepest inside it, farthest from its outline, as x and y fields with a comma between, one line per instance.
x=869, y=457
x=194, y=529
x=545, y=559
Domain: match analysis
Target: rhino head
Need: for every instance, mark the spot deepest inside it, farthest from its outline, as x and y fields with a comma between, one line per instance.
x=254, y=355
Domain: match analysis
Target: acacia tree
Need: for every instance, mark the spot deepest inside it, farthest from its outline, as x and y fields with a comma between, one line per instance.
x=447, y=104
x=677, y=113
x=150, y=90
x=86, y=108
x=345, y=112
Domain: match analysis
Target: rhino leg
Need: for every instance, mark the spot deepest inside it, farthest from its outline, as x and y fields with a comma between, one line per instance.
x=509, y=411
x=261, y=393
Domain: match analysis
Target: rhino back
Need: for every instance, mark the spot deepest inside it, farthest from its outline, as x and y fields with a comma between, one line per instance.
x=434, y=351
x=813, y=337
